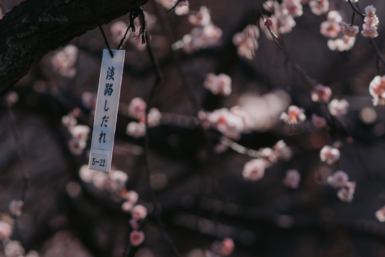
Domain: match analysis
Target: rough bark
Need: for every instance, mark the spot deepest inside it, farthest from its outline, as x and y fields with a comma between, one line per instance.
x=35, y=27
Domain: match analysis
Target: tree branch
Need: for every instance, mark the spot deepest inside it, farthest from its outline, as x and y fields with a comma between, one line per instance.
x=35, y=27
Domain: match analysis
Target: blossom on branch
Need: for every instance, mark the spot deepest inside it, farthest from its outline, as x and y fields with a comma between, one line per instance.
x=377, y=90
x=321, y=93
x=282, y=151
x=341, y=44
x=246, y=41
x=136, y=238
x=338, y=179
x=371, y=23
x=218, y=84
x=319, y=7
x=331, y=27
x=338, y=107
x=380, y=214
x=294, y=115
x=329, y=154
x=348, y=30
x=347, y=191
x=254, y=170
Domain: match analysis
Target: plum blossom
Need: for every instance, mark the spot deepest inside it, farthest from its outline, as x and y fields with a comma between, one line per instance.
x=377, y=90
x=248, y=123
x=137, y=108
x=338, y=179
x=380, y=214
x=321, y=93
x=318, y=122
x=118, y=29
x=347, y=191
x=100, y=180
x=154, y=117
x=5, y=230
x=182, y=9
x=218, y=84
x=338, y=107
x=331, y=27
x=131, y=196
x=201, y=18
x=134, y=224
x=224, y=248
x=80, y=132
x=329, y=154
x=69, y=120
x=136, y=129
x=127, y=206
x=119, y=177
x=268, y=155
x=254, y=170
x=15, y=207
x=86, y=174
x=64, y=60
x=89, y=100
x=371, y=23
x=292, y=178
x=292, y=7
x=139, y=212
x=76, y=146
x=294, y=115
x=348, y=30
x=319, y=7
x=13, y=249
x=282, y=151
x=341, y=44
x=246, y=41
x=136, y=237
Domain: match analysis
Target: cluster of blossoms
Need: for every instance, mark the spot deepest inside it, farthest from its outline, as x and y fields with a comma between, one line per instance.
x=119, y=28
x=181, y=8
x=79, y=133
x=231, y=122
x=340, y=180
x=377, y=90
x=255, y=169
x=137, y=110
x=63, y=61
x=371, y=23
x=204, y=35
x=114, y=183
x=246, y=41
x=218, y=84
x=224, y=248
x=319, y=7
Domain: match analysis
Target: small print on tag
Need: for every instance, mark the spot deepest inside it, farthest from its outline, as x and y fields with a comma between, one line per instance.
x=107, y=103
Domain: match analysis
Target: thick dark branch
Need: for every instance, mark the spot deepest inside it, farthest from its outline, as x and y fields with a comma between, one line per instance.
x=35, y=27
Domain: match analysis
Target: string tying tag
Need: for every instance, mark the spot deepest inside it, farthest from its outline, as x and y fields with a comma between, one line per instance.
x=138, y=13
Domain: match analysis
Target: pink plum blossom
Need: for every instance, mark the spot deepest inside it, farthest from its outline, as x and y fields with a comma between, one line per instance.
x=377, y=90
x=329, y=154
x=136, y=129
x=292, y=7
x=224, y=248
x=319, y=7
x=218, y=84
x=294, y=115
x=5, y=230
x=321, y=93
x=127, y=206
x=15, y=207
x=292, y=178
x=338, y=107
x=282, y=151
x=132, y=196
x=318, y=122
x=338, y=179
x=347, y=191
x=348, y=30
x=254, y=170
x=139, y=212
x=134, y=224
x=136, y=238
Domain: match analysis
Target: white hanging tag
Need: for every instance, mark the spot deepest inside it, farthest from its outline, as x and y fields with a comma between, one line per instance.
x=107, y=103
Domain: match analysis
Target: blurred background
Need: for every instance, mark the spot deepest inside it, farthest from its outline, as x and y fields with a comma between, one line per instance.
x=198, y=182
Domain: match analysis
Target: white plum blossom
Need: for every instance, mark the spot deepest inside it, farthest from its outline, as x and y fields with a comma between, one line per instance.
x=136, y=129
x=338, y=107
x=218, y=84
x=282, y=151
x=80, y=132
x=201, y=18
x=329, y=154
x=240, y=112
x=380, y=214
x=137, y=108
x=318, y=122
x=331, y=27
x=86, y=174
x=292, y=178
x=347, y=191
x=321, y=93
x=246, y=41
x=119, y=177
x=136, y=238
x=348, y=30
x=294, y=115
x=338, y=179
x=377, y=90
x=154, y=117
x=319, y=7
x=254, y=170
x=341, y=44
x=100, y=180
x=64, y=60
x=268, y=155
x=371, y=23
x=292, y=7
x=127, y=206
x=139, y=212
x=76, y=146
